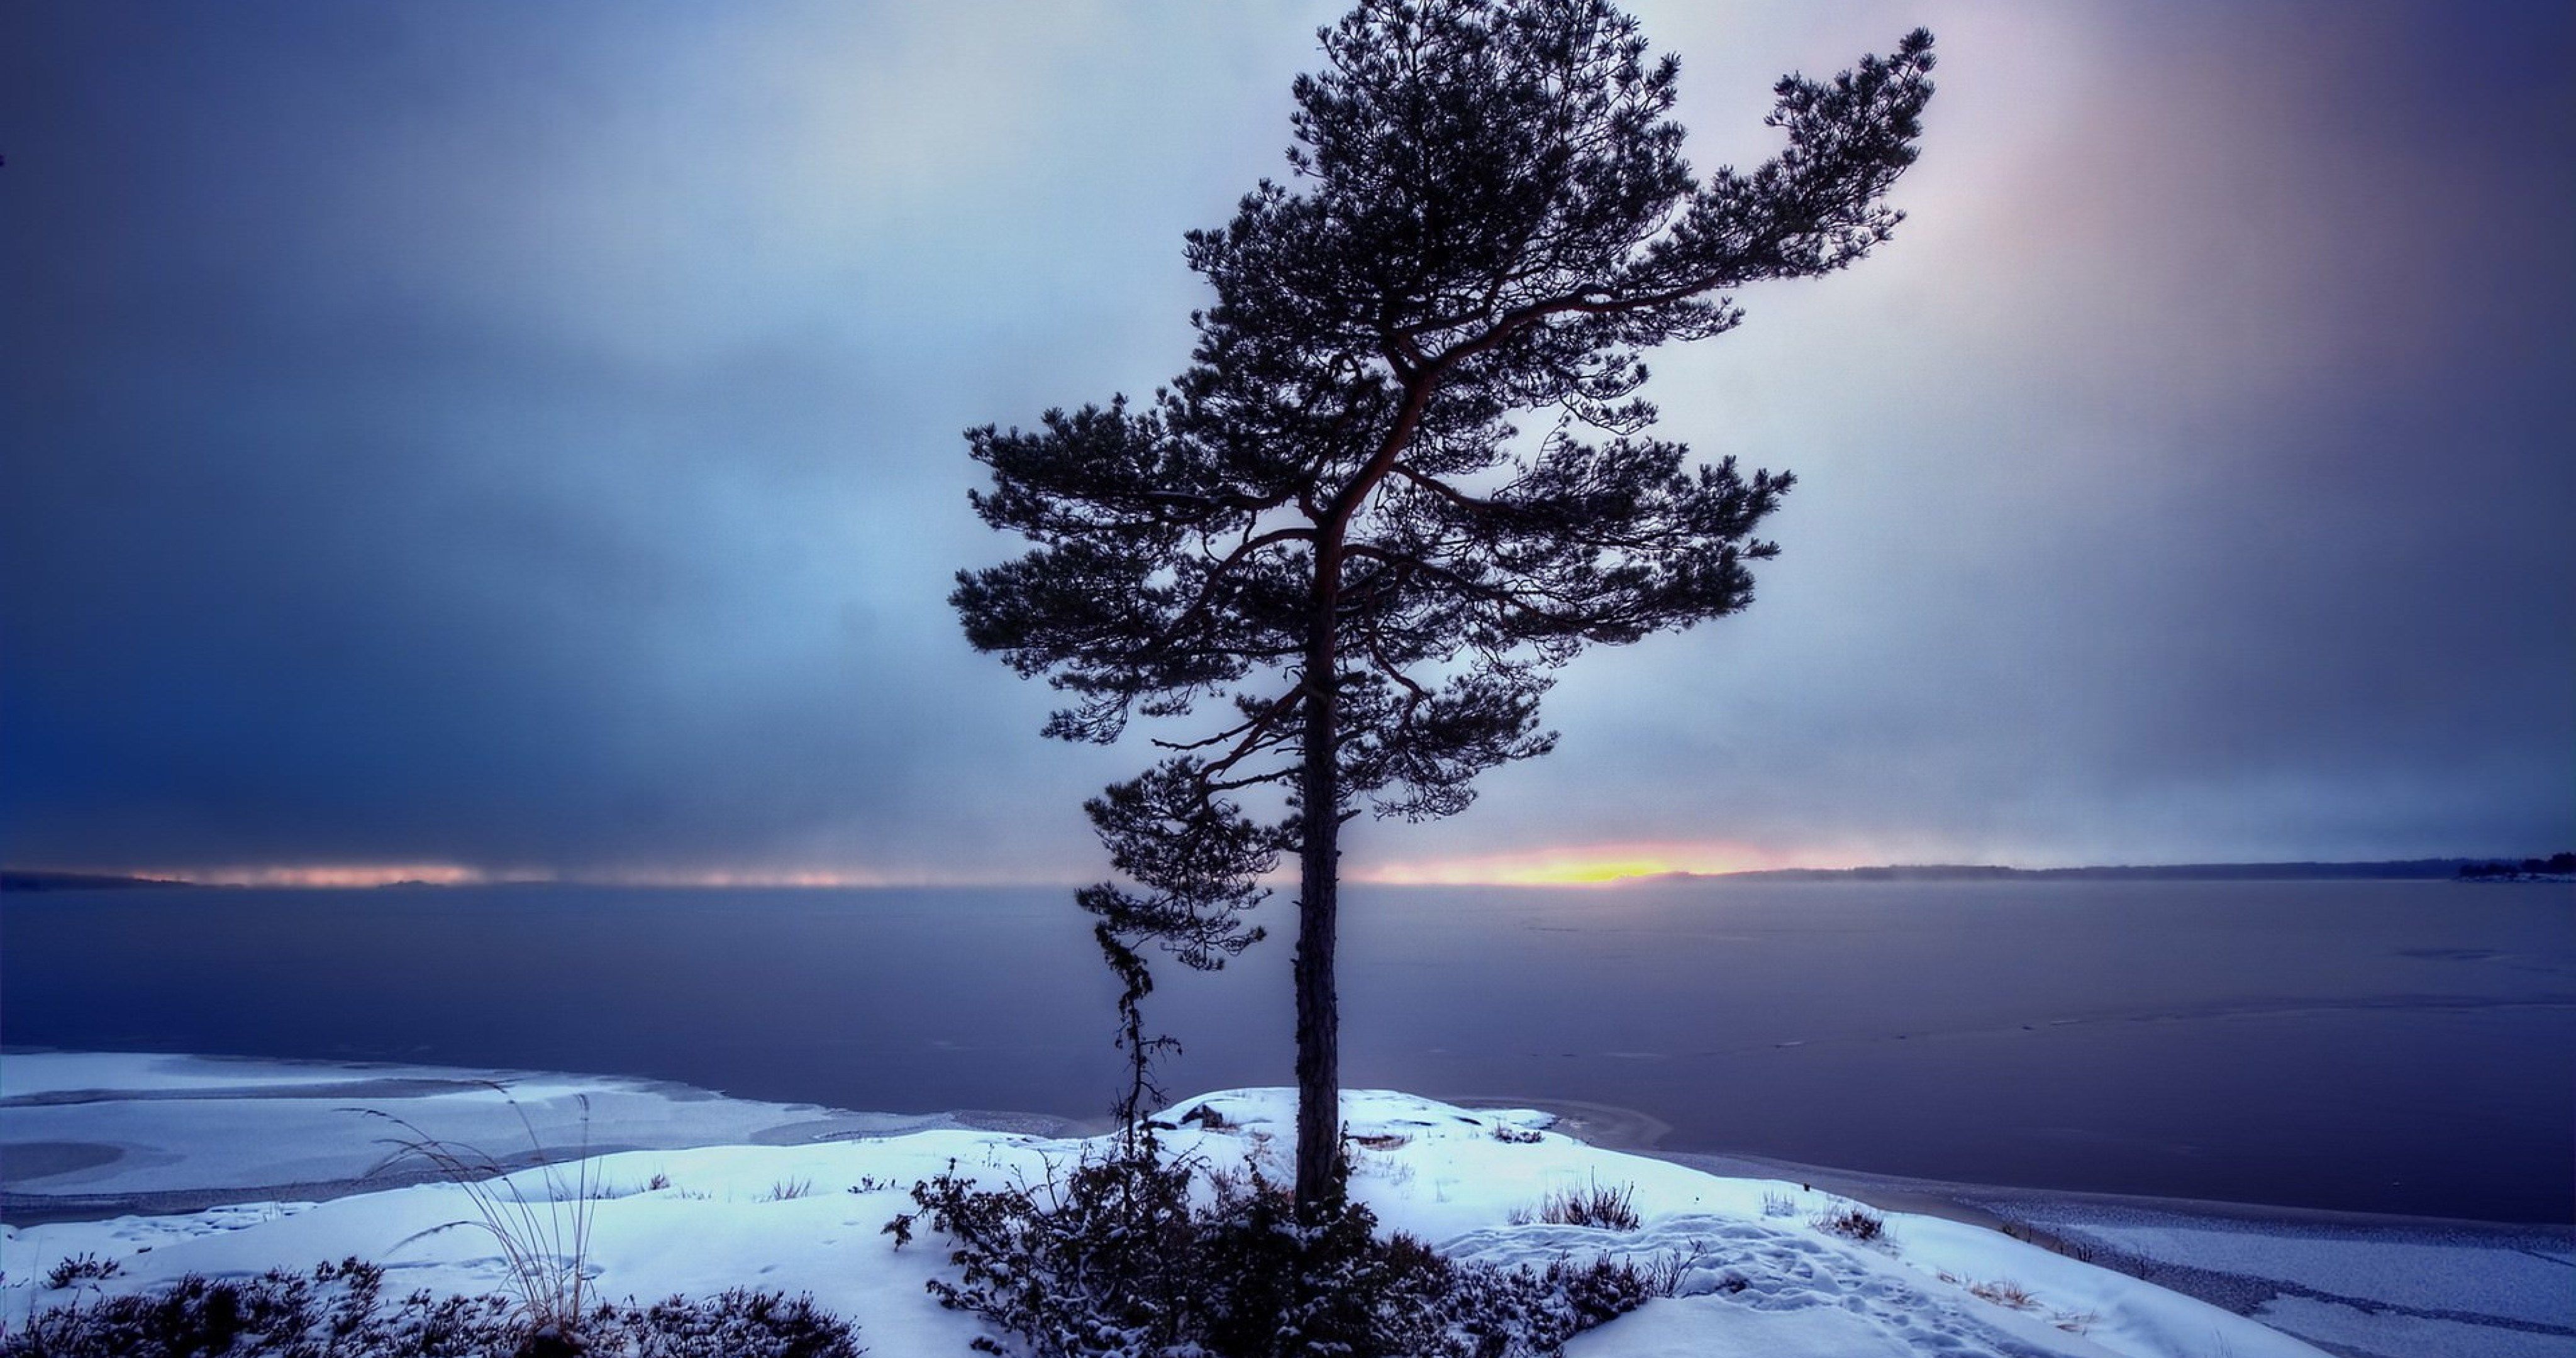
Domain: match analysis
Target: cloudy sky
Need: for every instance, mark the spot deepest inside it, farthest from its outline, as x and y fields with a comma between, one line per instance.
x=490, y=439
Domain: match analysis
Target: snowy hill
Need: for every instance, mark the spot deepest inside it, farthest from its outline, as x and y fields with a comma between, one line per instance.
x=1759, y=1272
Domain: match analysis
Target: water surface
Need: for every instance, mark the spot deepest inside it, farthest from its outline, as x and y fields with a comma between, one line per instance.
x=2367, y=1046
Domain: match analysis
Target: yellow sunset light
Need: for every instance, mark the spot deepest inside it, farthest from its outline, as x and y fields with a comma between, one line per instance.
x=329, y=874
x=1573, y=866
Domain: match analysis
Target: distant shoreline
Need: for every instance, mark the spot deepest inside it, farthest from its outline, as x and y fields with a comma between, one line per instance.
x=14, y=880
x=2400, y=869
x=2391, y=870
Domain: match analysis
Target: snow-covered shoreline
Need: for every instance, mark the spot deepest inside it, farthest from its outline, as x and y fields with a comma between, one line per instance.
x=145, y=1133
x=188, y=1134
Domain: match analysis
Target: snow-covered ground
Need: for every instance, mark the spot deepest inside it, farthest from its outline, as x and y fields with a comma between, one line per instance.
x=793, y=1198
x=2465, y=1290
x=2354, y=1285
x=94, y=1133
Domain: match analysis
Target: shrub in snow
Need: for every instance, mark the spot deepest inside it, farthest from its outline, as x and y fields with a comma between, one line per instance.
x=2005, y=1292
x=339, y=1311
x=1610, y=1209
x=1113, y=1259
x=81, y=1268
x=1853, y=1223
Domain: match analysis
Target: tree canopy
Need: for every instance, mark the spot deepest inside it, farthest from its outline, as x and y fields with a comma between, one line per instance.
x=1330, y=528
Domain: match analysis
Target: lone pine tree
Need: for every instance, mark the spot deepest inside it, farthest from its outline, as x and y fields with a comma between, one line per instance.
x=1328, y=526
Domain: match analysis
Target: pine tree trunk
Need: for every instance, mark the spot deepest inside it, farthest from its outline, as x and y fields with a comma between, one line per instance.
x=1319, y=1020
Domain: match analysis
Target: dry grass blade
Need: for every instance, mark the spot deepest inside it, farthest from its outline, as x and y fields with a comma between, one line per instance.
x=545, y=1240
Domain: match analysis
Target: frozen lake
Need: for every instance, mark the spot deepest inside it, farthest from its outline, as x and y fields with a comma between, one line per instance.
x=2398, y=1046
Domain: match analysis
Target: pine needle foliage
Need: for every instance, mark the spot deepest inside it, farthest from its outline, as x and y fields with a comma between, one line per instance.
x=1332, y=528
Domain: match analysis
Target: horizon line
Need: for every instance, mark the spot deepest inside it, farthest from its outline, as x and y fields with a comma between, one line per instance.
x=1558, y=873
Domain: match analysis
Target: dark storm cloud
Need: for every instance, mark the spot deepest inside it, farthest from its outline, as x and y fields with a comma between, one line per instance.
x=528, y=441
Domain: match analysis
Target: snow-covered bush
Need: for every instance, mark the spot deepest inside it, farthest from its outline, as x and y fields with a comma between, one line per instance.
x=339, y=1311
x=80, y=1268
x=1114, y=1259
x=1853, y=1222
x=1608, y=1208
x=1093, y=1261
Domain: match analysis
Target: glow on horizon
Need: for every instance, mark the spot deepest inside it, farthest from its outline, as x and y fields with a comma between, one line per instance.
x=1564, y=865
x=343, y=876
x=326, y=875
x=1575, y=865
x=757, y=877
